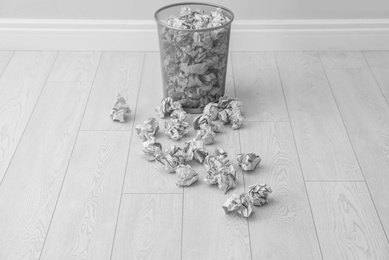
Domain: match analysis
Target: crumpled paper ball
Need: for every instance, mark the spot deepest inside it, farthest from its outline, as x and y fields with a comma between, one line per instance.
x=149, y=129
x=194, y=149
x=178, y=115
x=172, y=157
x=224, y=116
x=206, y=134
x=152, y=149
x=240, y=203
x=220, y=170
x=236, y=118
x=248, y=161
x=226, y=178
x=199, y=155
x=259, y=193
x=186, y=175
x=216, y=126
x=119, y=109
x=224, y=101
x=211, y=110
x=220, y=154
x=232, y=112
x=176, y=129
x=201, y=120
x=187, y=149
x=236, y=106
x=167, y=107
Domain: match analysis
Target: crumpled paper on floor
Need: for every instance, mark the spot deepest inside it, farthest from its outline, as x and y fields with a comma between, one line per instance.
x=149, y=129
x=211, y=110
x=152, y=149
x=226, y=178
x=178, y=115
x=194, y=149
x=176, y=129
x=224, y=101
x=220, y=170
x=240, y=203
x=167, y=107
x=199, y=155
x=259, y=193
x=206, y=134
x=216, y=126
x=120, y=108
x=172, y=157
x=248, y=161
x=186, y=175
x=227, y=110
x=199, y=152
x=232, y=112
x=201, y=120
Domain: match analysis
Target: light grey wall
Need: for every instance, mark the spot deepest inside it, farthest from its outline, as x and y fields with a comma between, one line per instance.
x=243, y=9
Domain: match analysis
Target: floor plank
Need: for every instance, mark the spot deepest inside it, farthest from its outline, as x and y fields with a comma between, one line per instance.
x=84, y=222
x=119, y=72
x=284, y=228
x=257, y=84
x=143, y=176
x=343, y=60
x=75, y=67
x=322, y=142
x=20, y=87
x=37, y=170
x=346, y=221
x=366, y=116
x=227, y=235
x=379, y=64
x=149, y=227
x=5, y=57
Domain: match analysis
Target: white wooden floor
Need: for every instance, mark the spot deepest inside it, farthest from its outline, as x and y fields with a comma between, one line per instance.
x=73, y=184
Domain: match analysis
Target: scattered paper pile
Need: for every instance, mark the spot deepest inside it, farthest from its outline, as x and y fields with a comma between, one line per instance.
x=220, y=170
x=243, y=203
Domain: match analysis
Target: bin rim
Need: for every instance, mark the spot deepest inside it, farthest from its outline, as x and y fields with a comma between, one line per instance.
x=194, y=3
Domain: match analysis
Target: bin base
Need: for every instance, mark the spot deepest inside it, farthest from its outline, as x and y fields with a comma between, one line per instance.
x=193, y=110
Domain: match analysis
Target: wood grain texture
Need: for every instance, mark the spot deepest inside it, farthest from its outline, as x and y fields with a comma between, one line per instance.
x=5, y=57
x=37, y=170
x=346, y=221
x=20, y=87
x=377, y=59
x=119, y=72
x=366, y=116
x=143, y=176
x=322, y=142
x=84, y=222
x=75, y=67
x=343, y=60
x=226, y=235
x=258, y=86
x=379, y=66
x=284, y=228
x=149, y=227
